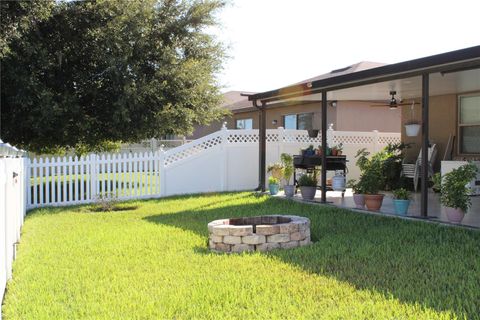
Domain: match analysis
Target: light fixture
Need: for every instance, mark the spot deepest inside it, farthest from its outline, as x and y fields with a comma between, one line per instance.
x=333, y=103
x=274, y=122
x=393, y=102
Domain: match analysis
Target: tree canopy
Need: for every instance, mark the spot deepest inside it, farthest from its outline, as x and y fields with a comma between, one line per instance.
x=92, y=73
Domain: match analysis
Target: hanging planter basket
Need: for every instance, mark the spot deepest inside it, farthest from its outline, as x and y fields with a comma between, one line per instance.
x=412, y=130
x=313, y=133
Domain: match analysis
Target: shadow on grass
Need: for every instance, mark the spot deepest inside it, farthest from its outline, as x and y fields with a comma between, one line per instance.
x=415, y=262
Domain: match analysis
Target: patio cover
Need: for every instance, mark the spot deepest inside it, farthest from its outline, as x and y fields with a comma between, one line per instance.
x=449, y=62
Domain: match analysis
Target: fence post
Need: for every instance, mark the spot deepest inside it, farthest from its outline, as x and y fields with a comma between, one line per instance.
x=330, y=136
x=27, y=184
x=162, y=169
x=224, y=159
x=375, y=141
x=281, y=134
x=93, y=176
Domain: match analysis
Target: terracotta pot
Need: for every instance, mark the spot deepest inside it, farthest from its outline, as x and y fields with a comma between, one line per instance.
x=373, y=202
x=289, y=190
x=359, y=200
x=454, y=215
x=334, y=152
x=308, y=193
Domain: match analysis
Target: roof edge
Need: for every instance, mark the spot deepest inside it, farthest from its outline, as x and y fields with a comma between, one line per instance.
x=383, y=73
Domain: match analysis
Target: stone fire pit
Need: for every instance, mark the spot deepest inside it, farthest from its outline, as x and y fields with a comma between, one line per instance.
x=261, y=233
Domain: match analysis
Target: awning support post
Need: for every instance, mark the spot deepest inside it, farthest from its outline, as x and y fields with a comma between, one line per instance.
x=425, y=145
x=262, y=144
x=324, y=147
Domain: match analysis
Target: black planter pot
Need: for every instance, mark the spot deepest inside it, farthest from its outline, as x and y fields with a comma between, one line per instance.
x=313, y=133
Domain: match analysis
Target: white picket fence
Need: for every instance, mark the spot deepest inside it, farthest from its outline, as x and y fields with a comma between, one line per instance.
x=12, y=212
x=226, y=160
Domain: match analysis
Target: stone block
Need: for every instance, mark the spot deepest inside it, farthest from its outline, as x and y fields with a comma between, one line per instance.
x=254, y=239
x=232, y=240
x=211, y=244
x=296, y=236
x=240, y=230
x=289, y=245
x=242, y=247
x=267, y=246
x=269, y=219
x=288, y=227
x=303, y=226
x=266, y=230
x=215, y=238
x=222, y=247
x=221, y=230
x=305, y=242
x=280, y=237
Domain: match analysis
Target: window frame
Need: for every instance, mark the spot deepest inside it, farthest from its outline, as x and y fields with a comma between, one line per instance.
x=460, y=125
x=296, y=119
x=243, y=119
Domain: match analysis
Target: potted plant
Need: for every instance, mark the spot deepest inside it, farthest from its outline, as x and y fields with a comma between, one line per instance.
x=308, y=186
x=436, y=182
x=358, y=196
x=310, y=151
x=455, y=195
x=273, y=185
x=401, y=200
x=288, y=169
x=337, y=149
x=371, y=181
x=276, y=171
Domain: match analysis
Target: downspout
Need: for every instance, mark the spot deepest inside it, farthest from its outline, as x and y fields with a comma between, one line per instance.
x=425, y=145
x=262, y=132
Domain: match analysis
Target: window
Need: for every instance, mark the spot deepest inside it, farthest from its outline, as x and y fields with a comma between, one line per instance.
x=301, y=121
x=469, y=124
x=244, y=124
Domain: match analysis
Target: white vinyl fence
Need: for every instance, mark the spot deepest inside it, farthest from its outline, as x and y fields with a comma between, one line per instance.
x=12, y=211
x=226, y=160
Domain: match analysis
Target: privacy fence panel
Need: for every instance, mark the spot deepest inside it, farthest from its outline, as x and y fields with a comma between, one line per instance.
x=226, y=160
x=77, y=180
x=12, y=212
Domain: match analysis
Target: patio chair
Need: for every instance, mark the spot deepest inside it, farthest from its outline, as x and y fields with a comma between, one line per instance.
x=414, y=170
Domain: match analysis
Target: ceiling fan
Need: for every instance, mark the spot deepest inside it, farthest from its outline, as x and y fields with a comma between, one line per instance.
x=393, y=103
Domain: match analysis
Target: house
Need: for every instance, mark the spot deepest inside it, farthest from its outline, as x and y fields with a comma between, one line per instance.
x=305, y=112
x=445, y=93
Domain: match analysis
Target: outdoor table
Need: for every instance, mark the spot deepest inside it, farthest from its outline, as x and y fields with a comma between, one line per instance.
x=311, y=163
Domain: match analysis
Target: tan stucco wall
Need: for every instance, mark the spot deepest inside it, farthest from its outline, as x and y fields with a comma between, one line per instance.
x=346, y=116
x=442, y=122
x=361, y=116
x=278, y=113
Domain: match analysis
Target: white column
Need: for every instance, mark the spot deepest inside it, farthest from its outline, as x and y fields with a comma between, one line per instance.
x=224, y=157
x=163, y=171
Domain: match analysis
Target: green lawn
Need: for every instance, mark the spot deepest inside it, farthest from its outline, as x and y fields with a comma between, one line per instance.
x=150, y=261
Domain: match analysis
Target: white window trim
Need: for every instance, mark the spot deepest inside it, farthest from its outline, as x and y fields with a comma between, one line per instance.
x=459, y=125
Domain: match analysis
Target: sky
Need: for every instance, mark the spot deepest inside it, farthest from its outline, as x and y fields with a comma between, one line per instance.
x=275, y=43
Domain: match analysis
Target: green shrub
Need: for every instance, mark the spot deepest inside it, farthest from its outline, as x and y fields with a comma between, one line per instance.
x=401, y=194
x=455, y=193
x=307, y=180
x=288, y=169
x=389, y=163
x=273, y=180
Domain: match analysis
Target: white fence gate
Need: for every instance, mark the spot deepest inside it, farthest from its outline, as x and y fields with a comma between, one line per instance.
x=226, y=160
x=12, y=212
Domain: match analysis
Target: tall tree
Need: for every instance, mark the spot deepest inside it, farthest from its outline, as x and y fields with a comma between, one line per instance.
x=19, y=16
x=111, y=70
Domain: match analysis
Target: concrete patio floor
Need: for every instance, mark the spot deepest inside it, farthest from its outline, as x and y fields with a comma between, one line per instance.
x=436, y=212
